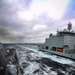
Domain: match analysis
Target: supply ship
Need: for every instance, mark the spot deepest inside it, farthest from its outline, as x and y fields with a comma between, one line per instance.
x=63, y=43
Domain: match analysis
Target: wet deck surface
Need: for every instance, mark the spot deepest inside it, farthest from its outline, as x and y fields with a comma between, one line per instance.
x=10, y=56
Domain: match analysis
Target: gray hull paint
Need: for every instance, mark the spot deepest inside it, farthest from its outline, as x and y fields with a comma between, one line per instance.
x=71, y=56
x=63, y=43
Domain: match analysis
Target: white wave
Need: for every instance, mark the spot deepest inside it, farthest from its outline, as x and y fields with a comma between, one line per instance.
x=33, y=66
x=56, y=58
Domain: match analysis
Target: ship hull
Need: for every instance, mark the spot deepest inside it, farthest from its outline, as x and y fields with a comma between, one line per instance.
x=70, y=56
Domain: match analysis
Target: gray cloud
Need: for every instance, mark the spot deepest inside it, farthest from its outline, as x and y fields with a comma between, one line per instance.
x=13, y=29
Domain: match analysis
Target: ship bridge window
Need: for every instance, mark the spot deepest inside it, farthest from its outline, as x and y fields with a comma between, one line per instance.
x=47, y=47
x=54, y=48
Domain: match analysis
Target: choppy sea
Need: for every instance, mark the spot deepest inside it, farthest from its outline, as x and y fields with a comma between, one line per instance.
x=35, y=62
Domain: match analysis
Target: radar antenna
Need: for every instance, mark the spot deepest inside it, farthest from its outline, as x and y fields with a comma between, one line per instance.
x=50, y=35
x=69, y=26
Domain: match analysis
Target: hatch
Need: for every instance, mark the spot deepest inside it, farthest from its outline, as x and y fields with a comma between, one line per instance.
x=60, y=49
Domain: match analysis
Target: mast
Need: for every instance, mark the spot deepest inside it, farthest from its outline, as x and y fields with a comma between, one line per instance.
x=69, y=26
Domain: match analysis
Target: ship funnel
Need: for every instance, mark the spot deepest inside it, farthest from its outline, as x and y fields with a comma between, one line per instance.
x=69, y=26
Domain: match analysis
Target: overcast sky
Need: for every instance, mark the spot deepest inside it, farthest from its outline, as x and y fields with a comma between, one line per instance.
x=33, y=20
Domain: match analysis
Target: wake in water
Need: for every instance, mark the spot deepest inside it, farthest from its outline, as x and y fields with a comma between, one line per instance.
x=35, y=62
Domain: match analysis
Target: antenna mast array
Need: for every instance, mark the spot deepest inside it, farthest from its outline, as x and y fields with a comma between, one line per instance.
x=69, y=26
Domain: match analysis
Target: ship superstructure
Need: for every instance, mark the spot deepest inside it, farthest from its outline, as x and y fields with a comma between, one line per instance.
x=63, y=43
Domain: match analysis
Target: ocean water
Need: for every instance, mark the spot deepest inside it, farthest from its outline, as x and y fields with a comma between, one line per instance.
x=35, y=62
